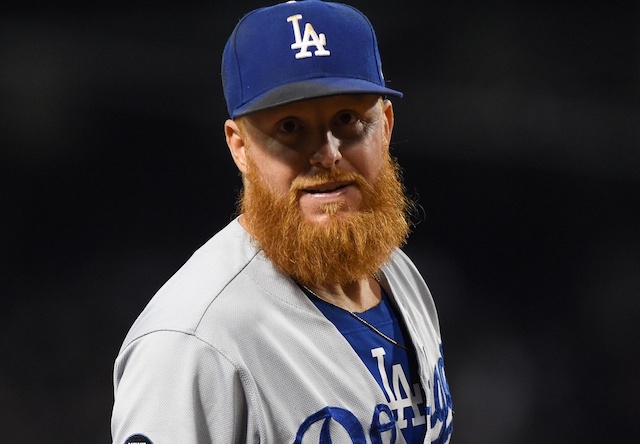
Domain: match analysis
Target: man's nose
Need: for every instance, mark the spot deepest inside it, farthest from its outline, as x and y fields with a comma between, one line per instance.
x=328, y=154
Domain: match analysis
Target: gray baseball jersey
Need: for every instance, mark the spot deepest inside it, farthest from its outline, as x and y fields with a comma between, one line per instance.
x=230, y=350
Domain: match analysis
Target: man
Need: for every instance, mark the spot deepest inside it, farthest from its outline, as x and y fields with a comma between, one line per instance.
x=301, y=321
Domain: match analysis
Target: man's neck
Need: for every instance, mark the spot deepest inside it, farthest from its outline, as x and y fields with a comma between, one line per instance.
x=356, y=296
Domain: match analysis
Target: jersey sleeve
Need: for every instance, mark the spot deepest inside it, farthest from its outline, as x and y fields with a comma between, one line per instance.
x=172, y=387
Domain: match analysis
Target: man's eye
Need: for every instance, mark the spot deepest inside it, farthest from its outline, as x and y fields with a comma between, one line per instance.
x=289, y=126
x=346, y=118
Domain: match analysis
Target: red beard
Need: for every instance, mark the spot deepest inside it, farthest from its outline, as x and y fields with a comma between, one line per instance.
x=344, y=249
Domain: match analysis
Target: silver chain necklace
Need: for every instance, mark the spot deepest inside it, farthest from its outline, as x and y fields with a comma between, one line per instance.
x=362, y=321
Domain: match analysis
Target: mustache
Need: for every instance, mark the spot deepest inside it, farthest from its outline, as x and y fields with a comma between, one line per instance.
x=332, y=175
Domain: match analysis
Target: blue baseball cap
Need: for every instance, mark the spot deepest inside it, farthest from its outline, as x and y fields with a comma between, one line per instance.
x=300, y=50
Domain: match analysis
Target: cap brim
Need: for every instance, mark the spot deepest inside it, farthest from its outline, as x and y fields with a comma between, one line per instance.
x=311, y=89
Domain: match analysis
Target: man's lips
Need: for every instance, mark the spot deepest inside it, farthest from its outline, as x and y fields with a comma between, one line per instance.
x=328, y=187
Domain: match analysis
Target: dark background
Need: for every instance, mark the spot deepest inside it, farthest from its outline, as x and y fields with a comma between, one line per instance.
x=519, y=134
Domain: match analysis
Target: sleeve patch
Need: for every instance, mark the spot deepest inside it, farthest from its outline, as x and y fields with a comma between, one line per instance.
x=138, y=439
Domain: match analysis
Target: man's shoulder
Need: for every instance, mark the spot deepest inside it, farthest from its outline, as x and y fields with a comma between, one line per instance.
x=181, y=302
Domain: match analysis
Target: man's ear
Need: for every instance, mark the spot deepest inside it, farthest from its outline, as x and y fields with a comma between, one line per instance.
x=387, y=108
x=236, y=141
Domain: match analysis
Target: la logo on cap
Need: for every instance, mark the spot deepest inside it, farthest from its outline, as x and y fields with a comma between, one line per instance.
x=310, y=38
